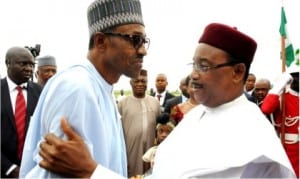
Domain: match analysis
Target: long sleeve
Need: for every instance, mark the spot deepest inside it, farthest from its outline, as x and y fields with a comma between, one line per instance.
x=270, y=103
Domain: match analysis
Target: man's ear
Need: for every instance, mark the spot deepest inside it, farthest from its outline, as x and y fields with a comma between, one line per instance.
x=239, y=72
x=7, y=63
x=99, y=40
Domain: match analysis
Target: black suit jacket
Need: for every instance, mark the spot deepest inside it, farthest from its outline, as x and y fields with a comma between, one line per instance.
x=168, y=96
x=8, y=127
x=249, y=97
x=172, y=102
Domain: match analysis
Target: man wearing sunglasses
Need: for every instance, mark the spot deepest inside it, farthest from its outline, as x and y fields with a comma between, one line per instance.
x=83, y=92
x=226, y=136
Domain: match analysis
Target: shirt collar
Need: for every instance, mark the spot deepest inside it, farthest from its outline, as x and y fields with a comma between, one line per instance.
x=162, y=94
x=103, y=82
x=228, y=104
x=12, y=85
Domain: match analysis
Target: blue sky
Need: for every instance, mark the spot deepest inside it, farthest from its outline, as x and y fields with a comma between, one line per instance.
x=173, y=26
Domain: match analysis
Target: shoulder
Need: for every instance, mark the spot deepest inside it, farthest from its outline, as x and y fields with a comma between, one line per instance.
x=126, y=101
x=173, y=100
x=34, y=87
x=169, y=95
x=249, y=97
x=76, y=77
x=3, y=82
x=151, y=98
x=246, y=107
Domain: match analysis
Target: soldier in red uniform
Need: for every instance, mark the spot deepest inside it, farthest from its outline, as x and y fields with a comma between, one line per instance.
x=271, y=104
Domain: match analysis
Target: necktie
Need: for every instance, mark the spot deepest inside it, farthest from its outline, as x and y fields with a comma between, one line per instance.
x=158, y=97
x=20, y=115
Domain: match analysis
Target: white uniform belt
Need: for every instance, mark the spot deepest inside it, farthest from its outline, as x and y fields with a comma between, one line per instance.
x=291, y=138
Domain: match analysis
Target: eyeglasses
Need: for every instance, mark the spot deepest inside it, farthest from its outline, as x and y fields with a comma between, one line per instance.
x=136, y=40
x=204, y=68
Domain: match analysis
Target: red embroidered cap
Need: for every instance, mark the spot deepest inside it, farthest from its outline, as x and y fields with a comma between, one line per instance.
x=239, y=45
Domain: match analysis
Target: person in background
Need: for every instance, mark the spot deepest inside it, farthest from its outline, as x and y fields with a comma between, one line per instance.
x=151, y=92
x=249, y=86
x=225, y=119
x=16, y=85
x=261, y=89
x=250, y=82
x=138, y=114
x=272, y=103
x=178, y=111
x=162, y=95
x=46, y=69
x=83, y=93
x=163, y=128
x=178, y=99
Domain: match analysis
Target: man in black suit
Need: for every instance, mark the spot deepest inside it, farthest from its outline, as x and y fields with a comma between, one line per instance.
x=179, y=99
x=161, y=94
x=20, y=65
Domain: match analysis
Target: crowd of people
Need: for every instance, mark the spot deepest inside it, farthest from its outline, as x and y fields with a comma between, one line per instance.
x=225, y=122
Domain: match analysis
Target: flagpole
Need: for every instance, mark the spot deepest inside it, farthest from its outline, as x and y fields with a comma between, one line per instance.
x=283, y=63
x=283, y=59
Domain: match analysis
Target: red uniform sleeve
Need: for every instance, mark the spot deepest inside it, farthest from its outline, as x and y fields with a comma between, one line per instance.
x=270, y=104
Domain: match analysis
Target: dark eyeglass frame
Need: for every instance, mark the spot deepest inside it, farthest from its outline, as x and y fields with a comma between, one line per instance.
x=136, y=40
x=204, y=68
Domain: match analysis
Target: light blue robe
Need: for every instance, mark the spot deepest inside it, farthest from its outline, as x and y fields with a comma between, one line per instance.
x=81, y=95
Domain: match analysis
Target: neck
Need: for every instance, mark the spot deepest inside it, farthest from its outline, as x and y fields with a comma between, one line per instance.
x=139, y=95
x=190, y=103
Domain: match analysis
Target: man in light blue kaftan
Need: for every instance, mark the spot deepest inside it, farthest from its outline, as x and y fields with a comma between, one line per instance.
x=83, y=93
x=85, y=98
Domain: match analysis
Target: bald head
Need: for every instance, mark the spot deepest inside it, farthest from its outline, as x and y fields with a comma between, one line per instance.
x=20, y=64
x=17, y=52
x=161, y=82
x=261, y=89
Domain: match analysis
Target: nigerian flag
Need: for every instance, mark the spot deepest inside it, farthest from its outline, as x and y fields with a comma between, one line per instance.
x=289, y=51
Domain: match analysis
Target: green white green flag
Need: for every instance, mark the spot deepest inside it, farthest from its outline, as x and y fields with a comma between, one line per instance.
x=289, y=50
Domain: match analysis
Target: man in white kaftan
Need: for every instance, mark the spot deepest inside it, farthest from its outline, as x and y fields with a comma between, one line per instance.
x=231, y=140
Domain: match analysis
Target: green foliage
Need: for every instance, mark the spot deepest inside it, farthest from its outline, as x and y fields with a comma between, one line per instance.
x=126, y=93
x=129, y=92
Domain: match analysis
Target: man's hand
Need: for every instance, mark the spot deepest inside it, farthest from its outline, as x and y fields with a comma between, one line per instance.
x=70, y=158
